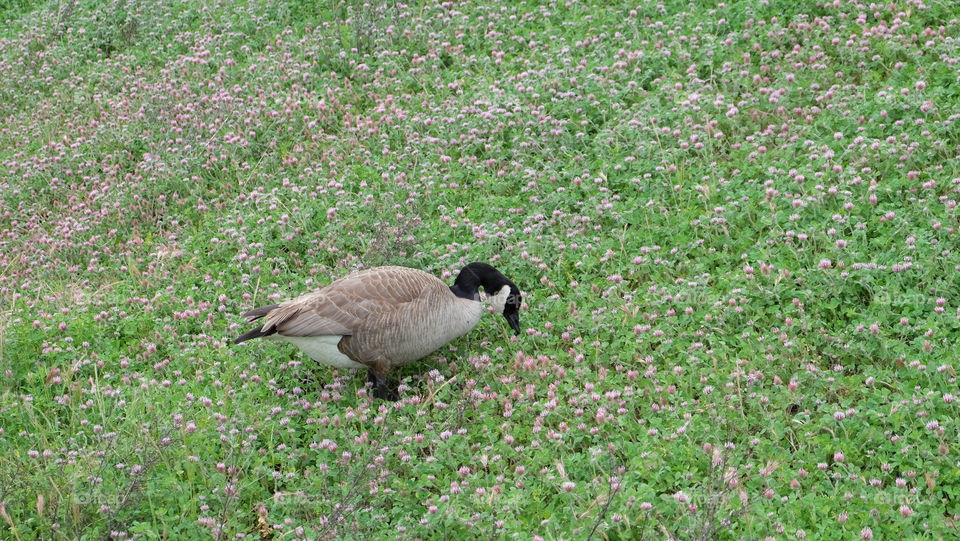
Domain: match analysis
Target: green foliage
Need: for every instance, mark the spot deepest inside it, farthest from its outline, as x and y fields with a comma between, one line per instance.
x=734, y=226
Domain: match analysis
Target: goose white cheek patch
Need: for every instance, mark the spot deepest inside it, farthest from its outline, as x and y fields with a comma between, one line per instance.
x=499, y=299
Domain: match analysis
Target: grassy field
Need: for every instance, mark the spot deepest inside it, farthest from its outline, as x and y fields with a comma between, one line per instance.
x=735, y=226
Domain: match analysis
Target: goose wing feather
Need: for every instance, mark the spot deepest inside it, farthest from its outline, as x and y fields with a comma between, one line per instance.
x=346, y=304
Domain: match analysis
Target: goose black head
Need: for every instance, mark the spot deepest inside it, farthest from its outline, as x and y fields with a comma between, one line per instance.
x=504, y=294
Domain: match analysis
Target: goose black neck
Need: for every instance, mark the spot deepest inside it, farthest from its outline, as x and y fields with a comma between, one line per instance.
x=477, y=275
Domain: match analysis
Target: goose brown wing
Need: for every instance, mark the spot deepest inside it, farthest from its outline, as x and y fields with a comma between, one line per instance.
x=342, y=307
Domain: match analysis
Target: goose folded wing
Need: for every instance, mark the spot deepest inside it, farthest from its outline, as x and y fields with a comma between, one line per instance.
x=311, y=317
x=345, y=305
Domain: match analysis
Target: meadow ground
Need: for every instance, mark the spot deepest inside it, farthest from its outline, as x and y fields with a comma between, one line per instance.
x=735, y=225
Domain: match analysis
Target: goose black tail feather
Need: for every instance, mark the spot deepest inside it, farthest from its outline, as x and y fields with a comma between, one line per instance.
x=254, y=333
x=254, y=315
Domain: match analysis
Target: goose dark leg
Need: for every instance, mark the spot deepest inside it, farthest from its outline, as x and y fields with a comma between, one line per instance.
x=382, y=388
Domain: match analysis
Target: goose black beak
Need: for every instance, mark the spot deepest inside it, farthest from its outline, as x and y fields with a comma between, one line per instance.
x=514, y=321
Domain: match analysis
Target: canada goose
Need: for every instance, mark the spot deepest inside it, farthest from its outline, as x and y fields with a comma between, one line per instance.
x=385, y=317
